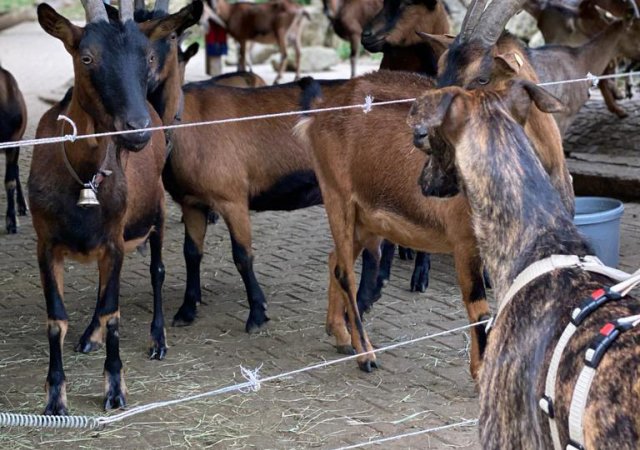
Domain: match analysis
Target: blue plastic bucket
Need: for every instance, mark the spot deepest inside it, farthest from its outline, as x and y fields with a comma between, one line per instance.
x=598, y=218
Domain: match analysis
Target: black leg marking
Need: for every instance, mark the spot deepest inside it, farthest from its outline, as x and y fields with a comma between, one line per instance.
x=386, y=260
x=90, y=340
x=482, y=335
x=368, y=291
x=420, y=277
x=192, y=295
x=11, y=183
x=478, y=292
x=257, y=303
x=406, y=254
x=114, y=396
x=158, y=348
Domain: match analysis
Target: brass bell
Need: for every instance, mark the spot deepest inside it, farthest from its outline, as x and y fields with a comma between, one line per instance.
x=88, y=198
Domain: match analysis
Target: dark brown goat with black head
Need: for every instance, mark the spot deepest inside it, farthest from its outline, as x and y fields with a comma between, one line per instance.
x=13, y=121
x=519, y=219
x=111, y=65
x=393, y=31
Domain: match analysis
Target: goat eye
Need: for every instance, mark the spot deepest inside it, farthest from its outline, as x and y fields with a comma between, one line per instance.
x=152, y=58
x=173, y=36
x=86, y=59
x=483, y=80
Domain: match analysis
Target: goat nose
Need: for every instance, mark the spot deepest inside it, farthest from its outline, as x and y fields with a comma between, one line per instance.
x=419, y=135
x=138, y=123
x=366, y=33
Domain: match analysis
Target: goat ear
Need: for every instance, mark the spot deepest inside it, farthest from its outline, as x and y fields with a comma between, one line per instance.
x=510, y=62
x=438, y=42
x=58, y=27
x=177, y=22
x=542, y=98
x=191, y=51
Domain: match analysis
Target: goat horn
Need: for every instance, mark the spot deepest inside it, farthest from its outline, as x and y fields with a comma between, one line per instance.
x=161, y=6
x=471, y=18
x=636, y=13
x=495, y=18
x=95, y=10
x=126, y=10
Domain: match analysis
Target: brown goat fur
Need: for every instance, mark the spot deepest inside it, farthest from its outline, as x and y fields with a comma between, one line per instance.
x=348, y=17
x=273, y=22
x=13, y=121
x=519, y=219
x=367, y=167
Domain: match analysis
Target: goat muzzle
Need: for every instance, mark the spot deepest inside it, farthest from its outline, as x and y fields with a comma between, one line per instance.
x=420, y=134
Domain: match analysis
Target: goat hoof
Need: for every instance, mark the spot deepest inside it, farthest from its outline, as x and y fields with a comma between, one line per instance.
x=367, y=366
x=622, y=114
x=12, y=226
x=420, y=281
x=114, y=399
x=56, y=408
x=158, y=352
x=345, y=349
x=184, y=317
x=87, y=346
x=255, y=322
x=22, y=210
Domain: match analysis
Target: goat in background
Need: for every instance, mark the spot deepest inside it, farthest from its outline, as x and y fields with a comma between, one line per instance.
x=13, y=121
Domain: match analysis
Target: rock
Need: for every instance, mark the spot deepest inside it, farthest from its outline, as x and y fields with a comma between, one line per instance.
x=313, y=59
x=260, y=53
x=314, y=31
x=537, y=40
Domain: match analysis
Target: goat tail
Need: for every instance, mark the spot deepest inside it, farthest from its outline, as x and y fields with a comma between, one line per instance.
x=311, y=94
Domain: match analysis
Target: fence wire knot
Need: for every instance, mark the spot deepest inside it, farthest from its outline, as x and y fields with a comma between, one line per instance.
x=593, y=79
x=69, y=137
x=368, y=103
x=252, y=377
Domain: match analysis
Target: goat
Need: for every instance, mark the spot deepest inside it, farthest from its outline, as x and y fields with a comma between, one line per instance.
x=364, y=163
x=578, y=27
x=520, y=219
x=273, y=22
x=481, y=56
x=13, y=121
x=348, y=19
x=111, y=65
x=393, y=32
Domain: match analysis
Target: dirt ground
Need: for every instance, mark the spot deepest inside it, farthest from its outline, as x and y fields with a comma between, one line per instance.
x=421, y=386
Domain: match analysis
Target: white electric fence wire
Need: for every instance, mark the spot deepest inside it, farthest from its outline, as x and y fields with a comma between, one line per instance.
x=464, y=423
x=366, y=107
x=253, y=383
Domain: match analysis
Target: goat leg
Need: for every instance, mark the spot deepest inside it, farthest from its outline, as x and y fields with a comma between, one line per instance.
x=51, y=276
x=158, y=348
x=11, y=181
x=195, y=229
x=369, y=290
x=420, y=276
x=470, y=278
x=108, y=313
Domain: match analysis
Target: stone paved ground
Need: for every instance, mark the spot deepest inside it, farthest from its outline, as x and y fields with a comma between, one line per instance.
x=421, y=386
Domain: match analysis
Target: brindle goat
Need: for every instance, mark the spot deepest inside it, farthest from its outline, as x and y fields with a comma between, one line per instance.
x=348, y=17
x=519, y=219
x=111, y=65
x=393, y=31
x=13, y=121
x=274, y=22
x=365, y=164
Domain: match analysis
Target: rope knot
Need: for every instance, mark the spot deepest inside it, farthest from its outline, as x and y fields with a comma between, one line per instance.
x=368, y=103
x=253, y=379
x=69, y=137
x=593, y=79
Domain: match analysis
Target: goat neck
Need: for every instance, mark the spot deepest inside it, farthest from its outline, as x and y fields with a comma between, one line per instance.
x=222, y=9
x=518, y=215
x=595, y=55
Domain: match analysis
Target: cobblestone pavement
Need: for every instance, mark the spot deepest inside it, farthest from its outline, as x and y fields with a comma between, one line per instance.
x=420, y=386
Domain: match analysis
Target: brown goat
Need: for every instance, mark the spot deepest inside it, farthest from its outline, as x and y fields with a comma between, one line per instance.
x=520, y=220
x=393, y=31
x=13, y=121
x=366, y=166
x=273, y=22
x=348, y=19
x=126, y=167
x=578, y=27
